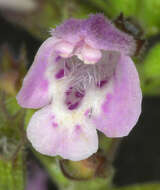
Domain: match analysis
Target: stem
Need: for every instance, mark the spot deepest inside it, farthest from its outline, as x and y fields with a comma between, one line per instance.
x=12, y=175
x=3, y=106
x=112, y=150
x=53, y=168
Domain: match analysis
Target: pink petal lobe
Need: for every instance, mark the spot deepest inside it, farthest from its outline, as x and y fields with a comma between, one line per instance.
x=49, y=137
x=34, y=91
x=102, y=34
x=98, y=32
x=121, y=108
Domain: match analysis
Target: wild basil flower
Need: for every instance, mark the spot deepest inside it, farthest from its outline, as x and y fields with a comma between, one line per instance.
x=83, y=79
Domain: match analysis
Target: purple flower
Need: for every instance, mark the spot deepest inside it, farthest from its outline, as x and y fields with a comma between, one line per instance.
x=83, y=79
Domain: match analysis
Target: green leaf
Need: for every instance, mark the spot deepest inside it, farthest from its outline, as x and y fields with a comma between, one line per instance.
x=145, y=12
x=12, y=174
x=11, y=144
x=28, y=115
x=150, y=72
x=127, y=7
x=149, y=15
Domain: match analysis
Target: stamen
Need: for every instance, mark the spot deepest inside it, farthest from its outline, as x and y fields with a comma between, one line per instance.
x=81, y=77
x=64, y=49
x=90, y=55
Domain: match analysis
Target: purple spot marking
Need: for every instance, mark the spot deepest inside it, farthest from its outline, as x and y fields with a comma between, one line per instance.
x=73, y=98
x=58, y=58
x=101, y=83
x=87, y=112
x=69, y=103
x=78, y=129
x=79, y=95
x=52, y=117
x=69, y=91
x=55, y=124
x=73, y=106
x=60, y=74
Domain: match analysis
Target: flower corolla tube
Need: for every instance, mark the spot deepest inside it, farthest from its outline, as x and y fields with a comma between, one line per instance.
x=83, y=80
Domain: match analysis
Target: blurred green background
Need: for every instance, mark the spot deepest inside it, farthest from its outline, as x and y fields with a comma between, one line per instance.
x=136, y=164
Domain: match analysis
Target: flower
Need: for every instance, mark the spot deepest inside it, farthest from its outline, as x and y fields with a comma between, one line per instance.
x=83, y=79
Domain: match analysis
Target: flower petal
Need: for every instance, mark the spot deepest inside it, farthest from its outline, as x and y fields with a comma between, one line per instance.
x=102, y=34
x=34, y=92
x=52, y=137
x=122, y=107
x=98, y=32
x=70, y=30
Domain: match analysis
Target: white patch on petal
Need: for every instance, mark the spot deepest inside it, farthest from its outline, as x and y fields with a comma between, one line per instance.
x=71, y=143
x=92, y=100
